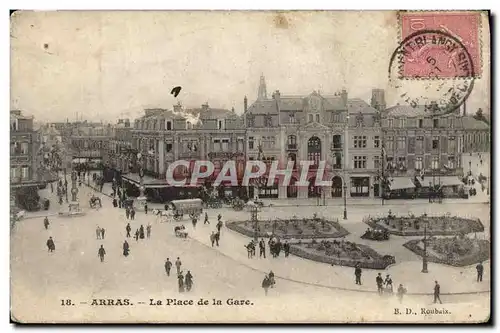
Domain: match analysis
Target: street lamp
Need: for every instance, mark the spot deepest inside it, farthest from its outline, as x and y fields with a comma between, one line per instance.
x=424, y=257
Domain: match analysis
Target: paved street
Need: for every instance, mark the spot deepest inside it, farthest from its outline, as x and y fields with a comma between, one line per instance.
x=74, y=270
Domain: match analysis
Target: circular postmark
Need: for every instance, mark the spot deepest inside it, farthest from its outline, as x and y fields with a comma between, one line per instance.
x=431, y=71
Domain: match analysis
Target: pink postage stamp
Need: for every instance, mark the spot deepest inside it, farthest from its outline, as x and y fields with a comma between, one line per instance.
x=453, y=51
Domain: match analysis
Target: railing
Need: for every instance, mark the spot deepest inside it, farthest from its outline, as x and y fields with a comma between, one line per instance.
x=292, y=146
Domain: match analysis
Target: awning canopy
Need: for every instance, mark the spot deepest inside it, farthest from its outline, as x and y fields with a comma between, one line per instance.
x=399, y=183
x=449, y=181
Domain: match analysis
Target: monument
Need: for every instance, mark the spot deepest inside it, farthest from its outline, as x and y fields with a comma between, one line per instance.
x=141, y=199
x=74, y=206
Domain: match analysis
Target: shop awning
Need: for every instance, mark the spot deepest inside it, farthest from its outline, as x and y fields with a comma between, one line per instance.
x=399, y=183
x=449, y=181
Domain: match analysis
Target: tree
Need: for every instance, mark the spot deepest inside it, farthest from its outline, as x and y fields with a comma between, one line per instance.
x=480, y=116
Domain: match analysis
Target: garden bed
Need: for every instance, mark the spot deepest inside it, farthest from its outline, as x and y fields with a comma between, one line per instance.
x=445, y=225
x=464, y=253
x=350, y=254
x=291, y=228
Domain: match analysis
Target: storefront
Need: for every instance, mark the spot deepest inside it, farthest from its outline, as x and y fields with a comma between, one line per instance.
x=360, y=186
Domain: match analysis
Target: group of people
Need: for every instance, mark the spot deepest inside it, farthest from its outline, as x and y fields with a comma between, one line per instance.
x=99, y=232
x=215, y=236
x=185, y=283
x=275, y=247
x=268, y=282
x=139, y=233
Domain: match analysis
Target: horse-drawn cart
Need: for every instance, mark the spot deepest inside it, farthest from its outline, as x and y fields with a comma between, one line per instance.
x=180, y=231
x=95, y=202
x=191, y=207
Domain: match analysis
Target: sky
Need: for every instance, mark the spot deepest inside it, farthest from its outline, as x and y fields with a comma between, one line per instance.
x=99, y=65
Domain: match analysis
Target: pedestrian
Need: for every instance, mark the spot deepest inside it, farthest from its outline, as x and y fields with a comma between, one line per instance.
x=480, y=270
x=146, y=208
x=212, y=238
x=380, y=282
x=180, y=280
x=437, y=293
x=266, y=284
x=137, y=235
x=272, y=281
x=219, y=217
x=50, y=245
x=98, y=232
x=126, y=248
x=219, y=225
x=286, y=248
x=189, y=281
x=46, y=222
x=195, y=221
x=115, y=203
x=120, y=203
x=101, y=252
x=206, y=219
x=178, y=265
x=388, y=284
x=102, y=232
x=357, y=273
x=128, y=229
x=401, y=292
x=148, y=230
x=51, y=188
x=168, y=266
x=132, y=214
x=217, y=238
x=127, y=213
x=141, y=231
x=262, y=248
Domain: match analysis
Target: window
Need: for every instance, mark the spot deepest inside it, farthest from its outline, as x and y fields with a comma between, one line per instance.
x=217, y=146
x=435, y=162
x=451, y=121
x=435, y=122
x=310, y=118
x=390, y=122
x=376, y=141
x=390, y=162
x=220, y=125
x=359, y=141
x=13, y=173
x=376, y=162
x=435, y=142
x=420, y=123
x=337, y=118
x=239, y=143
x=389, y=146
x=291, y=118
x=402, y=122
x=420, y=143
x=401, y=162
x=359, y=162
x=452, y=144
x=225, y=144
x=25, y=172
x=419, y=163
x=189, y=125
x=451, y=162
x=250, y=142
x=169, y=125
x=268, y=142
x=317, y=118
x=337, y=141
x=14, y=148
x=168, y=147
x=401, y=143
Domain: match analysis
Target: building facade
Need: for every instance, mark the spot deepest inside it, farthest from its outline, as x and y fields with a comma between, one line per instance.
x=118, y=153
x=163, y=136
x=477, y=136
x=87, y=142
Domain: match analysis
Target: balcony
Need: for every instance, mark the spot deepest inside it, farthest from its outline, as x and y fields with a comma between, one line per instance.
x=292, y=146
x=337, y=166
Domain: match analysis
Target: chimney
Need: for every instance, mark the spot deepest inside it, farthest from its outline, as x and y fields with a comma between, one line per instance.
x=245, y=104
x=343, y=96
x=204, y=107
x=378, y=99
x=178, y=107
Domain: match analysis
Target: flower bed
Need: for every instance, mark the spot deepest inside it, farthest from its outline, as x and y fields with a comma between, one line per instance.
x=452, y=251
x=445, y=225
x=342, y=253
x=291, y=228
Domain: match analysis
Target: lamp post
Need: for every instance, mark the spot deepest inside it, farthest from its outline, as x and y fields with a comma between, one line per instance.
x=346, y=156
x=424, y=257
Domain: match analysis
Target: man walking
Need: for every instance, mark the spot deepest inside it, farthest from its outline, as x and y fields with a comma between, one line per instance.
x=98, y=232
x=148, y=230
x=50, y=245
x=46, y=222
x=286, y=248
x=217, y=237
x=146, y=208
x=437, y=292
x=206, y=219
x=101, y=253
x=262, y=248
x=178, y=265
x=168, y=266
x=357, y=274
x=102, y=232
x=128, y=229
x=380, y=283
x=480, y=270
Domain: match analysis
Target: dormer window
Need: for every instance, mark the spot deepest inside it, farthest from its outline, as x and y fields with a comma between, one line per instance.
x=189, y=125
x=220, y=124
x=291, y=118
x=168, y=125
